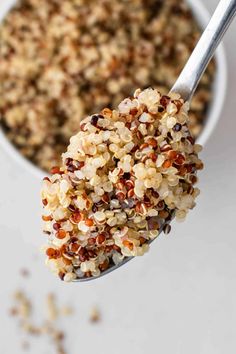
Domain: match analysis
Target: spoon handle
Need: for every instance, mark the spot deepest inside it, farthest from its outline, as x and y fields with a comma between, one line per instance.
x=188, y=79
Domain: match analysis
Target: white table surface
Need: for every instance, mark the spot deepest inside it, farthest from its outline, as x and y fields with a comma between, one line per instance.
x=180, y=298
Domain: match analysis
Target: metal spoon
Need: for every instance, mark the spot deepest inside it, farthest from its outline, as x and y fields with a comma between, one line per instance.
x=193, y=70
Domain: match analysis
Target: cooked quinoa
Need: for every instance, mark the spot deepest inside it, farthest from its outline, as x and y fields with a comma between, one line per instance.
x=61, y=60
x=124, y=176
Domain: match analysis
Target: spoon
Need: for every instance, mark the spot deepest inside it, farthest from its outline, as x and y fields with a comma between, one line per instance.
x=192, y=72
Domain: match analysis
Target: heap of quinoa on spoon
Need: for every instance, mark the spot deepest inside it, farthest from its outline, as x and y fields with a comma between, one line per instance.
x=125, y=174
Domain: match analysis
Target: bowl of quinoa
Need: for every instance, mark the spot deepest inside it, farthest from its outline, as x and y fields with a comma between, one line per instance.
x=61, y=61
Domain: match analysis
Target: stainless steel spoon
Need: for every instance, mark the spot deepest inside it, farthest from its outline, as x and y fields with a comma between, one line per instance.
x=193, y=70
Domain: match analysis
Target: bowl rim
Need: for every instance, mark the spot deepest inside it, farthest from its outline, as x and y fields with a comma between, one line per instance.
x=202, y=16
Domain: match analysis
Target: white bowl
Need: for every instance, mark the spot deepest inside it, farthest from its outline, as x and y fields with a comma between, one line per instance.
x=219, y=88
